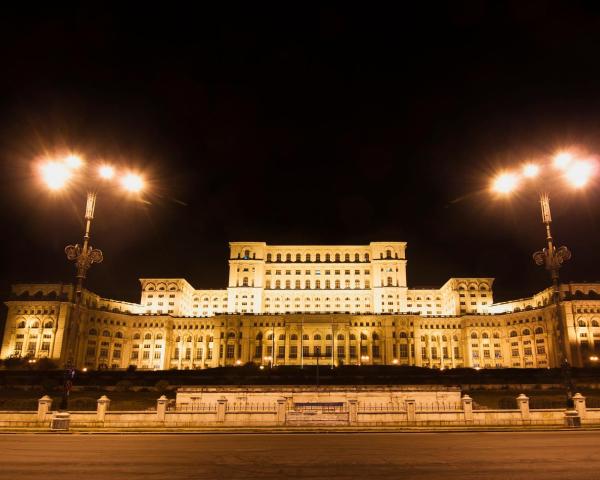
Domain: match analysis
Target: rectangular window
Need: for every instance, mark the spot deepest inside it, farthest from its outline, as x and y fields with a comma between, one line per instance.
x=328, y=351
x=230, y=351
x=294, y=351
x=281, y=351
x=515, y=352
x=403, y=350
x=317, y=351
x=305, y=352
x=376, y=353
x=541, y=350
x=45, y=346
x=434, y=352
x=91, y=351
x=528, y=351
x=209, y=354
x=134, y=355
x=117, y=354
x=423, y=353
x=341, y=351
x=146, y=355
x=352, y=351
x=445, y=352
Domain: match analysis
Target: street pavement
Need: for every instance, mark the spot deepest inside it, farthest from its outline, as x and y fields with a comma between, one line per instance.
x=490, y=456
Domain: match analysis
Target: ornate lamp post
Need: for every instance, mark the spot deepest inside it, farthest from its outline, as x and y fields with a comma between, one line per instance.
x=577, y=173
x=61, y=173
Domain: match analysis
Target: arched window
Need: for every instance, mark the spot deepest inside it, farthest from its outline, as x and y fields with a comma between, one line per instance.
x=582, y=323
x=356, y=257
x=455, y=338
x=159, y=336
x=474, y=335
x=363, y=336
x=485, y=335
x=305, y=337
x=340, y=336
x=539, y=330
x=317, y=337
x=513, y=333
x=270, y=336
x=259, y=336
x=147, y=336
x=496, y=335
x=375, y=336
x=279, y=257
x=136, y=336
x=402, y=334
x=48, y=325
x=526, y=332
x=231, y=335
x=308, y=257
x=246, y=254
x=245, y=282
x=293, y=336
x=93, y=332
x=277, y=283
x=347, y=257
x=352, y=337
x=366, y=257
x=327, y=257
x=337, y=257
x=35, y=325
x=389, y=281
x=119, y=335
x=444, y=339
x=298, y=258
x=106, y=333
x=288, y=257
x=269, y=257
x=318, y=257
x=282, y=336
x=178, y=339
x=22, y=325
x=595, y=323
x=388, y=254
x=328, y=336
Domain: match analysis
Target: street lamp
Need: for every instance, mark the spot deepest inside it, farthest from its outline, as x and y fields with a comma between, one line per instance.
x=59, y=173
x=577, y=172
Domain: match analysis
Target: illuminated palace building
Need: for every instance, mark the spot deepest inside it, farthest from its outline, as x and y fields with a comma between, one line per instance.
x=296, y=305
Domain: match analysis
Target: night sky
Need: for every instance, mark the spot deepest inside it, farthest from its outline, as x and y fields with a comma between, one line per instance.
x=299, y=125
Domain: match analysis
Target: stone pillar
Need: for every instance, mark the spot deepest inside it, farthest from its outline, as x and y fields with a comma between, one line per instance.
x=103, y=404
x=523, y=404
x=221, y=407
x=352, y=411
x=579, y=402
x=161, y=408
x=281, y=408
x=44, y=405
x=467, y=404
x=411, y=410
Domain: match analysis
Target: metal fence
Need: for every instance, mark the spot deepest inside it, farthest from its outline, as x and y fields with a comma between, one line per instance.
x=380, y=407
x=194, y=407
x=438, y=406
x=251, y=407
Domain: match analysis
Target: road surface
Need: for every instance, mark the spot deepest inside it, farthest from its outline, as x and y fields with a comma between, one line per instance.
x=490, y=456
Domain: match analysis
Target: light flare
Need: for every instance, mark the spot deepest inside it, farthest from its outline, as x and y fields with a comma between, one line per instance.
x=106, y=171
x=132, y=182
x=579, y=173
x=562, y=159
x=73, y=161
x=531, y=170
x=505, y=183
x=55, y=174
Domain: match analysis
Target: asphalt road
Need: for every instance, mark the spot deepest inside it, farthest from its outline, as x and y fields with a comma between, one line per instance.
x=528, y=455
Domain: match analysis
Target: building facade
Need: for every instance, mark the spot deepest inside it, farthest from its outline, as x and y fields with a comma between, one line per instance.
x=299, y=305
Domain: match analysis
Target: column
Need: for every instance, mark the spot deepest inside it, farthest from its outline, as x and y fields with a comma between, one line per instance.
x=467, y=404
x=161, y=408
x=523, y=404
x=103, y=404
x=44, y=405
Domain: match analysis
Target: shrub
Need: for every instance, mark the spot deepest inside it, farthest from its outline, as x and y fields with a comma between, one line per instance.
x=161, y=386
x=123, y=385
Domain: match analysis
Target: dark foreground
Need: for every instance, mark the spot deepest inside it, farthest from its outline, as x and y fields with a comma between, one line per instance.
x=535, y=455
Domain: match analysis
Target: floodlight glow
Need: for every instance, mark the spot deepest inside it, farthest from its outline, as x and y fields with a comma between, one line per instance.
x=55, y=174
x=579, y=174
x=505, y=183
x=73, y=161
x=132, y=182
x=531, y=170
x=106, y=171
x=561, y=160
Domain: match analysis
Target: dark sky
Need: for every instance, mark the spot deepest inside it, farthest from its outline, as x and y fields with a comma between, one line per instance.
x=299, y=124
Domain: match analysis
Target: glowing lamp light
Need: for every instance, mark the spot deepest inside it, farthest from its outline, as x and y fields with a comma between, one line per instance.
x=55, y=174
x=505, y=183
x=106, y=171
x=132, y=182
x=579, y=174
x=531, y=170
x=73, y=161
x=562, y=159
